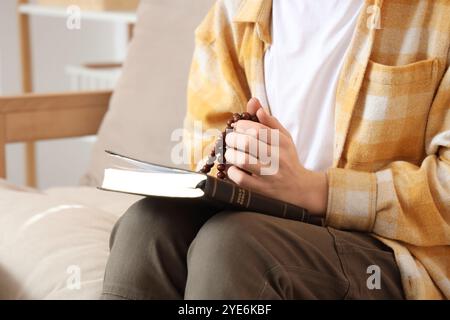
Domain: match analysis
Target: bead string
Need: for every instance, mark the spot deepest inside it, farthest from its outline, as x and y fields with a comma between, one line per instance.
x=218, y=153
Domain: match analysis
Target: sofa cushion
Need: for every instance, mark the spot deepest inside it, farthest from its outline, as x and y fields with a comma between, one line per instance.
x=54, y=244
x=149, y=101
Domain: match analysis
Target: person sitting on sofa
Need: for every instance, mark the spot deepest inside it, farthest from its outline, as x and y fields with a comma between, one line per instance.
x=359, y=91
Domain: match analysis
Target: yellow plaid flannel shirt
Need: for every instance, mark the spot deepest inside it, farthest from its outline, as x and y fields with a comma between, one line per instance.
x=391, y=172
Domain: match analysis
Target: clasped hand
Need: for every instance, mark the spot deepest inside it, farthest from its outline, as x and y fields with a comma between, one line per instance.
x=264, y=159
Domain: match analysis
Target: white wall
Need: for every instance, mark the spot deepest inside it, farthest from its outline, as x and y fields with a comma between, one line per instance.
x=60, y=163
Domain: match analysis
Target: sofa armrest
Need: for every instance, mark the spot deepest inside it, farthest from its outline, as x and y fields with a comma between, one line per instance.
x=34, y=117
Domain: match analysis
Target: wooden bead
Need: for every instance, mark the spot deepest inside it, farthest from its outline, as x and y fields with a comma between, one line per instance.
x=255, y=118
x=206, y=169
x=236, y=117
x=246, y=116
x=213, y=153
x=222, y=167
x=221, y=175
x=230, y=123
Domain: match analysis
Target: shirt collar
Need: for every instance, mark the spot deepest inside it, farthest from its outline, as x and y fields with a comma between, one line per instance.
x=258, y=12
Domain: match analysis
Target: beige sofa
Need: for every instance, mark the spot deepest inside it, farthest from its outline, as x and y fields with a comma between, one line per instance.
x=54, y=243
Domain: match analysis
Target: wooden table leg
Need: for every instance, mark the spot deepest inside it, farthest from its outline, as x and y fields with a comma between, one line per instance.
x=130, y=31
x=30, y=153
x=27, y=86
x=2, y=148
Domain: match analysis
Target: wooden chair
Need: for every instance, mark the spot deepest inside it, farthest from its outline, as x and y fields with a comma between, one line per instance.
x=34, y=117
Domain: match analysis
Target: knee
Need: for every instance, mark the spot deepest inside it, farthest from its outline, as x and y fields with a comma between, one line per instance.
x=224, y=242
x=221, y=260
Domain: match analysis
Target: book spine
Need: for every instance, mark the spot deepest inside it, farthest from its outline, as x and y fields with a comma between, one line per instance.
x=244, y=199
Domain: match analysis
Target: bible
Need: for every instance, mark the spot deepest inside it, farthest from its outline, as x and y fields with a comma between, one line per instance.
x=151, y=180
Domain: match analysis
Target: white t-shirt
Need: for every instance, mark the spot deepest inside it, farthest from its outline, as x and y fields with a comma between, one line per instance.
x=302, y=67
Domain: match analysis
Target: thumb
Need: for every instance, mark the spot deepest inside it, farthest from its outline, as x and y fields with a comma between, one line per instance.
x=266, y=119
x=253, y=106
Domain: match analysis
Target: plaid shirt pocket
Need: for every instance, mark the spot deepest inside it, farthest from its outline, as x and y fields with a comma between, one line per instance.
x=391, y=115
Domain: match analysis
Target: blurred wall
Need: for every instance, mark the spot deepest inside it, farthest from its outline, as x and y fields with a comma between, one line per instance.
x=60, y=163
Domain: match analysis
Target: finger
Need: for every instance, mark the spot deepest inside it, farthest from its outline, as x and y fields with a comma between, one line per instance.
x=253, y=106
x=258, y=131
x=248, y=144
x=269, y=121
x=243, y=179
x=243, y=161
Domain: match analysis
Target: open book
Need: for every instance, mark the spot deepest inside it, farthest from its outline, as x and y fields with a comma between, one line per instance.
x=142, y=178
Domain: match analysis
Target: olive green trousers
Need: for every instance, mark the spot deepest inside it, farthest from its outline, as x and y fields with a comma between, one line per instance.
x=186, y=249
